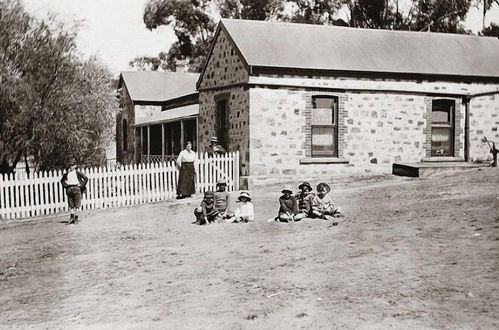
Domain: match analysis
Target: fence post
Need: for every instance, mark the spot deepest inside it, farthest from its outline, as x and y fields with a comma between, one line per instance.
x=236, y=170
x=2, y=198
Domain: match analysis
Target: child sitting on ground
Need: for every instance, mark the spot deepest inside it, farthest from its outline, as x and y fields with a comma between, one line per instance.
x=288, y=207
x=222, y=202
x=206, y=212
x=244, y=212
x=322, y=204
x=304, y=198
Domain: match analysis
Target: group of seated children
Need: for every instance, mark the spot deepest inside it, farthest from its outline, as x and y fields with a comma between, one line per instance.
x=215, y=207
x=306, y=204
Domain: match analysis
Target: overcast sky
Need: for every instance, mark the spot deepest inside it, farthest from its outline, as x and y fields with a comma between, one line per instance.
x=114, y=29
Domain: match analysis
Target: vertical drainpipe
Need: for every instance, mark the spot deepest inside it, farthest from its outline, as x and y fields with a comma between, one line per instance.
x=466, y=101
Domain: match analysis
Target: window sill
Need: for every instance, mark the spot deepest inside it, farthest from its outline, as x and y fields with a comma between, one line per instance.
x=442, y=159
x=324, y=161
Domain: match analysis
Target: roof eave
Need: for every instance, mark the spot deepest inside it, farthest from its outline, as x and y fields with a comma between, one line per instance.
x=256, y=69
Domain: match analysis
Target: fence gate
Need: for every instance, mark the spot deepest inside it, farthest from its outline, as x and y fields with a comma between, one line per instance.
x=42, y=194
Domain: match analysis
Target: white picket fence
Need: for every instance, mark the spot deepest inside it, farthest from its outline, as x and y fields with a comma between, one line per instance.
x=42, y=193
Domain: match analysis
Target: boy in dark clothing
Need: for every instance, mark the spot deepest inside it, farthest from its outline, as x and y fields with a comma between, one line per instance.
x=206, y=212
x=288, y=207
x=74, y=182
x=305, y=200
x=222, y=202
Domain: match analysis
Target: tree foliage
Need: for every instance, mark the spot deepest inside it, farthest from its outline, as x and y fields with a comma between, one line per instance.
x=193, y=21
x=53, y=105
x=491, y=31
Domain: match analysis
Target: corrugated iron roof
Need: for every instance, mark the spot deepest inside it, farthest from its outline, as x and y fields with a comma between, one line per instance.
x=152, y=86
x=306, y=46
x=170, y=115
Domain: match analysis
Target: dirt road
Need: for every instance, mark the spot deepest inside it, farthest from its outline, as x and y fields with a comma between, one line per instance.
x=411, y=254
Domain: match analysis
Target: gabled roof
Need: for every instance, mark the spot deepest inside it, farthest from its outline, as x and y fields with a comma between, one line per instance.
x=152, y=86
x=334, y=48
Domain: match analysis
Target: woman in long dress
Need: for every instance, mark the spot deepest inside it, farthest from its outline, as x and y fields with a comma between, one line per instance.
x=187, y=163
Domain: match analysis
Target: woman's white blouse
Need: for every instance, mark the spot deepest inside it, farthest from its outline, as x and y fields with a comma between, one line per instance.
x=187, y=156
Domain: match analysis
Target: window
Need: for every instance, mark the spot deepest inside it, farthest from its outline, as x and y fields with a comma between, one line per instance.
x=125, y=135
x=325, y=126
x=221, y=123
x=442, y=128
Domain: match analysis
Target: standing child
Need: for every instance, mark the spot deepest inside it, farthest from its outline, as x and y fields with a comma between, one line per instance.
x=244, y=212
x=288, y=206
x=322, y=204
x=74, y=182
x=222, y=202
x=206, y=212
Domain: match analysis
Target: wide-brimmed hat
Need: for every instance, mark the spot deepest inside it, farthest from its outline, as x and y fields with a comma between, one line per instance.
x=323, y=187
x=244, y=194
x=285, y=190
x=214, y=139
x=72, y=161
x=305, y=184
x=209, y=194
x=221, y=182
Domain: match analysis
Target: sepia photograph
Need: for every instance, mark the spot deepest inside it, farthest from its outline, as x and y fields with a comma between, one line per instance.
x=249, y=164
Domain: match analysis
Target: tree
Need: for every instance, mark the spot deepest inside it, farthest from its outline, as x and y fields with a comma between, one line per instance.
x=486, y=5
x=313, y=11
x=441, y=15
x=194, y=26
x=41, y=77
x=491, y=31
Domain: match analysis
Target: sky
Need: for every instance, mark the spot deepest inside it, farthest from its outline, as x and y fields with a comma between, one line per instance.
x=112, y=29
x=115, y=32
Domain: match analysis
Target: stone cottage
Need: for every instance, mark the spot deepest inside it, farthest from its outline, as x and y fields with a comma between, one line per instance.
x=301, y=101
x=158, y=115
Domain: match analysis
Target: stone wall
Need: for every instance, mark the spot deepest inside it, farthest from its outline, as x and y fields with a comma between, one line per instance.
x=225, y=67
x=384, y=128
x=238, y=115
x=133, y=114
x=380, y=122
x=224, y=79
x=126, y=113
x=375, y=130
x=484, y=121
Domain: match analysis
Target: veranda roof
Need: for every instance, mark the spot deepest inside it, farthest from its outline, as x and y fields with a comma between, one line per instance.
x=185, y=112
x=152, y=86
x=320, y=47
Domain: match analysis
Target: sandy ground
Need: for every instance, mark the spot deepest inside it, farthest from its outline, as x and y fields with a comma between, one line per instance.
x=411, y=254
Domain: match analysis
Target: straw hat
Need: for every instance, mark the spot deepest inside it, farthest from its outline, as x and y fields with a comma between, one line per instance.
x=244, y=194
x=323, y=187
x=214, y=139
x=221, y=182
x=209, y=194
x=305, y=184
x=287, y=190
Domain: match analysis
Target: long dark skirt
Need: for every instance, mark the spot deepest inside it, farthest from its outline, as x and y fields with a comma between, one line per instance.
x=186, y=180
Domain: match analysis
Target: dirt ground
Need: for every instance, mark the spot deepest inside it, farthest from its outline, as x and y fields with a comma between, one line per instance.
x=411, y=254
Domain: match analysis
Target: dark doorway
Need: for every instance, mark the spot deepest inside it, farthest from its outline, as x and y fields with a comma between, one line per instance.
x=155, y=140
x=222, y=123
x=172, y=138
